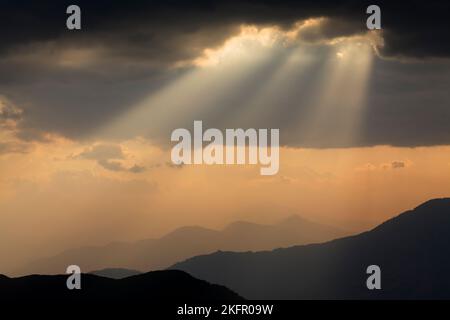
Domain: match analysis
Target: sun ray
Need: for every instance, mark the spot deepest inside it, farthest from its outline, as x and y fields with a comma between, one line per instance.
x=338, y=107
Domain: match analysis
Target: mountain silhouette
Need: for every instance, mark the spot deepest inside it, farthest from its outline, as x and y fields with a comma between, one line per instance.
x=411, y=249
x=169, y=285
x=115, y=273
x=185, y=242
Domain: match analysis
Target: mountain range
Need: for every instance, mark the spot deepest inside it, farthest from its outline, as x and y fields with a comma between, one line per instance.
x=149, y=287
x=412, y=251
x=185, y=242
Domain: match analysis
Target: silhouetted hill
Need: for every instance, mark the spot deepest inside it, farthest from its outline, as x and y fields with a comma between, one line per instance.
x=170, y=285
x=185, y=242
x=411, y=249
x=115, y=273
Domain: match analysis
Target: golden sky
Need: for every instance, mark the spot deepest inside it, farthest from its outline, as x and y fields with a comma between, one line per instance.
x=59, y=194
x=85, y=129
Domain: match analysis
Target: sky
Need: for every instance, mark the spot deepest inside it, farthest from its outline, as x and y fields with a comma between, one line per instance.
x=86, y=116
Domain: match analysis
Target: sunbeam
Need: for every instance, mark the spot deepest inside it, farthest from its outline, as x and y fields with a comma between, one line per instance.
x=214, y=83
x=338, y=107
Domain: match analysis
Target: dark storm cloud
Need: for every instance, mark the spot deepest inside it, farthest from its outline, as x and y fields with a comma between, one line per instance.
x=73, y=82
x=168, y=31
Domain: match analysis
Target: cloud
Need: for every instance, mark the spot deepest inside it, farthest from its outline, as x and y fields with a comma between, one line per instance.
x=108, y=156
x=103, y=152
x=11, y=121
x=72, y=83
x=10, y=115
x=8, y=111
x=398, y=165
x=14, y=147
x=326, y=29
x=137, y=169
x=164, y=32
x=111, y=165
x=393, y=165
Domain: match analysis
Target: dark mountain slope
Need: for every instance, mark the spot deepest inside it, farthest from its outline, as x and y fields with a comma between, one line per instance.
x=167, y=285
x=412, y=250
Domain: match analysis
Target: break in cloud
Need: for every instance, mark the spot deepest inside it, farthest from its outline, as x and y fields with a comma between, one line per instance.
x=72, y=83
